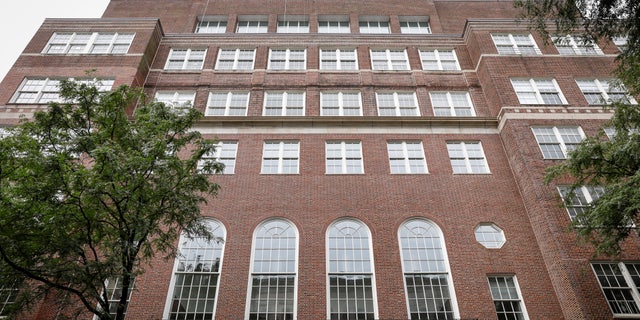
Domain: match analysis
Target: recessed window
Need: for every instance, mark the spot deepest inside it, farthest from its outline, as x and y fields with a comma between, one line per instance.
x=252, y=24
x=604, y=91
x=406, y=157
x=374, y=24
x=557, y=142
x=439, y=59
x=293, y=24
x=515, y=44
x=389, y=59
x=340, y=104
x=338, y=59
x=287, y=59
x=333, y=24
x=185, y=59
x=538, y=91
x=213, y=24
x=570, y=45
x=452, y=104
x=489, y=235
x=235, y=59
x=280, y=157
x=113, y=291
x=45, y=90
x=507, y=298
x=233, y=103
x=179, y=101
x=284, y=103
x=578, y=200
x=343, y=157
x=467, y=157
x=89, y=43
x=225, y=153
x=618, y=281
x=416, y=25
x=397, y=104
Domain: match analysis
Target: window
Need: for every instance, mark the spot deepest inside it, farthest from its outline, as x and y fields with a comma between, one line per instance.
x=467, y=157
x=350, y=271
x=225, y=153
x=45, y=90
x=406, y=157
x=89, y=43
x=177, y=100
x=426, y=271
x=252, y=24
x=113, y=288
x=333, y=24
x=506, y=298
x=620, y=42
x=489, y=235
x=515, y=44
x=389, y=59
x=196, y=276
x=439, y=59
x=578, y=200
x=343, y=157
x=340, y=104
x=283, y=103
x=185, y=59
x=236, y=59
x=287, y=59
x=274, y=267
x=454, y=104
x=604, y=91
x=538, y=91
x=570, y=45
x=417, y=25
x=619, y=286
x=338, y=59
x=375, y=24
x=233, y=103
x=8, y=296
x=215, y=24
x=557, y=142
x=280, y=157
x=293, y=24
x=397, y=104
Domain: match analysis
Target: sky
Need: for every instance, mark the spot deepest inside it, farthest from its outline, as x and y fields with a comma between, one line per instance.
x=19, y=21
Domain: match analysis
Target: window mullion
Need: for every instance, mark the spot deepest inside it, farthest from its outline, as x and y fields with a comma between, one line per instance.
x=630, y=283
x=90, y=42
x=467, y=161
x=561, y=143
x=405, y=154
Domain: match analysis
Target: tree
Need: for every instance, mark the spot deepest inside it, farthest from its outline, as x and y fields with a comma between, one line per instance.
x=89, y=195
x=612, y=163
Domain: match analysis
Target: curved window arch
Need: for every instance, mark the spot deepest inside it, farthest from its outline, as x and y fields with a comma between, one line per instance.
x=426, y=271
x=351, y=282
x=274, y=268
x=196, y=277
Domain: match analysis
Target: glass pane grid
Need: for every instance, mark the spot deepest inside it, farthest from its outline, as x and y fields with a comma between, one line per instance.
x=506, y=298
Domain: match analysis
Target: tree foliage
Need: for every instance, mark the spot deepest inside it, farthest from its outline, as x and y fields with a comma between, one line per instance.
x=88, y=195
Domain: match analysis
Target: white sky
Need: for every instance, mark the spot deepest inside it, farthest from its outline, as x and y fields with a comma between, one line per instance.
x=19, y=21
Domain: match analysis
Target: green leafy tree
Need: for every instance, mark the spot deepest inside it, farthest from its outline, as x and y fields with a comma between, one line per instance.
x=89, y=195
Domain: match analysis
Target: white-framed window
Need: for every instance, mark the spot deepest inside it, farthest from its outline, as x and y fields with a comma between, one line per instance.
x=113, y=288
x=489, y=235
x=45, y=90
x=618, y=281
x=507, y=297
x=389, y=59
x=225, y=153
x=236, y=59
x=252, y=24
x=293, y=24
x=273, y=280
x=212, y=24
x=578, y=200
x=232, y=103
x=538, y=91
x=620, y=42
x=604, y=91
x=350, y=275
x=439, y=59
x=570, y=45
x=338, y=59
x=8, y=296
x=333, y=24
x=406, y=157
x=515, y=44
x=340, y=103
x=374, y=24
x=287, y=59
x=284, y=103
x=281, y=157
x=557, y=142
x=452, y=104
x=196, y=275
x=467, y=157
x=397, y=104
x=343, y=157
x=185, y=59
x=414, y=24
x=89, y=43
x=177, y=100
x=425, y=266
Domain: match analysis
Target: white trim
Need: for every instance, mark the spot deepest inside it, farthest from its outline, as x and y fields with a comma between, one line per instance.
x=341, y=105
x=287, y=59
x=284, y=106
x=236, y=59
x=186, y=59
x=534, y=86
x=388, y=59
x=520, y=296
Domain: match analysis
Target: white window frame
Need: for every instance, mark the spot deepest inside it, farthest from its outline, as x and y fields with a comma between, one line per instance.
x=9, y=298
x=374, y=24
x=344, y=168
x=570, y=45
x=492, y=238
x=282, y=154
x=293, y=24
x=605, y=88
x=520, y=300
x=118, y=44
x=620, y=42
x=333, y=24
x=211, y=24
x=414, y=25
x=560, y=135
x=628, y=286
x=466, y=157
x=451, y=107
x=536, y=88
x=190, y=56
x=341, y=57
x=340, y=95
x=238, y=61
x=382, y=60
x=41, y=90
x=508, y=43
x=179, y=101
x=288, y=59
x=439, y=59
x=397, y=106
x=252, y=24
x=225, y=152
x=285, y=108
x=114, y=292
x=406, y=153
x=228, y=106
x=581, y=198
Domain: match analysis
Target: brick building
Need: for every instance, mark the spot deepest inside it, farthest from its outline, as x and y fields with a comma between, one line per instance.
x=384, y=158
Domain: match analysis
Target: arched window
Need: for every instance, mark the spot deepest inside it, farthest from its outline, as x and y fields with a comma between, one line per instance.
x=274, y=267
x=196, y=276
x=426, y=271
x=352, y=292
